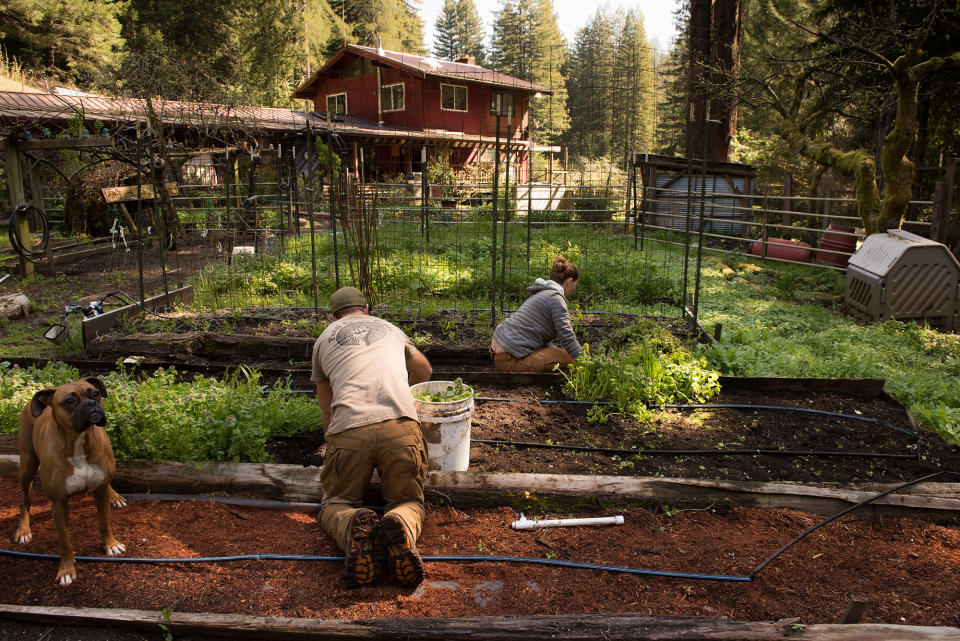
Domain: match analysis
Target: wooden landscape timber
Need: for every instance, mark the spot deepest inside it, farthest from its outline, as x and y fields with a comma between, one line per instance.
x=93, y=327
x=581, y=627
x=467, y=489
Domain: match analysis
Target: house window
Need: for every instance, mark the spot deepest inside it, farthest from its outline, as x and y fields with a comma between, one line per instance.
x=453, y=97
x=391, y=98
x=501, y=103
x=337, y=103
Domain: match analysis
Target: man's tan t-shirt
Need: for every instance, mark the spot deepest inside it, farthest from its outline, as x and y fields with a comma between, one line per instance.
x=365, y=360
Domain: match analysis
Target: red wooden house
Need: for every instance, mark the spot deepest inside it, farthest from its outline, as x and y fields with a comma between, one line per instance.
x=389, y=106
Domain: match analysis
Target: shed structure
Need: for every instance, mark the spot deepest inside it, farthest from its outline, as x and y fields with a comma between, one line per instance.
x=672, y=193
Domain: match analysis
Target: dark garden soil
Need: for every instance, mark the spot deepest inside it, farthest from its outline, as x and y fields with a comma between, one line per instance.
x=906, y=568
x=528, y=421
x=91, y=278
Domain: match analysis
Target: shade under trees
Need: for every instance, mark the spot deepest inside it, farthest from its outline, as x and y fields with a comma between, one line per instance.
x=847, y=94
x=69, y=41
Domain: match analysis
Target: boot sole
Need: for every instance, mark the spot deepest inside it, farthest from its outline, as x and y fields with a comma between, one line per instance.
x=404, y=562
x=361, y=562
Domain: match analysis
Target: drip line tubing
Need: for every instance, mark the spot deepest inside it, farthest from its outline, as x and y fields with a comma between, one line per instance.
x=819, y=525
x=437, y=558
x=655, y=452
x=742, y=406
x=489, y=559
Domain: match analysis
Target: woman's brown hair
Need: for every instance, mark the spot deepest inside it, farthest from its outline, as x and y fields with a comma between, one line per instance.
x=563, y=269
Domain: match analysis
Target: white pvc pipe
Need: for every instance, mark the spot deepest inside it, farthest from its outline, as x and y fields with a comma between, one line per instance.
x=524, y=523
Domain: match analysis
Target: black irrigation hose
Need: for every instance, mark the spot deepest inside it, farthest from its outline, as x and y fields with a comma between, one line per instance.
x=14, y=231
x=498, y=559
x=819, y=525
x=654, y=452
x=131, y=300
x=741, y=406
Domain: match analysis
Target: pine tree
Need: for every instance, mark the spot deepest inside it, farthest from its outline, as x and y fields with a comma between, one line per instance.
x=514, y=47
x=549, y=112
x=589, y=84
x=459, y=31
x=527, y=44
x=73, y=41
x=396, y=23
x=611, y=87
x=633, y=96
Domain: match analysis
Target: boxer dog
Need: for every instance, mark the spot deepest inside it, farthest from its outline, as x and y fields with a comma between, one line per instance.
x=61, y=433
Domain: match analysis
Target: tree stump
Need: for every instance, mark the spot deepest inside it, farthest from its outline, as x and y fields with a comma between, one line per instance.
x=14, y=306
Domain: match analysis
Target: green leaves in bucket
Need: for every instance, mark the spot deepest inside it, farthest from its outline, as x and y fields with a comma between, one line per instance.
x=456, y=392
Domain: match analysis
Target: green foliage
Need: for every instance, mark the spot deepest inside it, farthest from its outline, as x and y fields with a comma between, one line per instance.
x=528, y=44
x=72, y=41
x=456, y=392
x=766, y=333
x=654, y=369
x=162, y=419
x=18, y=385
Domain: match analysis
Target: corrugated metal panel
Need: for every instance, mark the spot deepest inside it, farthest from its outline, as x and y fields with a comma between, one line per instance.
x=671, y=208
x=39, y=107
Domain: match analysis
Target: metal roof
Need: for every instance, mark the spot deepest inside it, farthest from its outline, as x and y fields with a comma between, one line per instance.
x=27, y=109
x=423, y=66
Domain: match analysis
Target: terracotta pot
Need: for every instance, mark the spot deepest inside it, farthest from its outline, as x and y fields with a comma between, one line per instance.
x=838, y=242
x=783, y=249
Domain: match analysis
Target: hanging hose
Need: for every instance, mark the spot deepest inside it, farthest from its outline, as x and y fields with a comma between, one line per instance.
x=21, y=211
x=126, y=298
x=490, y=559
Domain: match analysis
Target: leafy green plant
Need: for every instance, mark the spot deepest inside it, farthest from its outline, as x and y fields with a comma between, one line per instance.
x=456, y=392
x=159, y=417
x=648, y=372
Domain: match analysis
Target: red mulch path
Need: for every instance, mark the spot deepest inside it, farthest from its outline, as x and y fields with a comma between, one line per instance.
x=907, y=568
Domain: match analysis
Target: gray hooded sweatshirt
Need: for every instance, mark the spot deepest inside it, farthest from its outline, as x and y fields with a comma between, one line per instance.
x=543, y=317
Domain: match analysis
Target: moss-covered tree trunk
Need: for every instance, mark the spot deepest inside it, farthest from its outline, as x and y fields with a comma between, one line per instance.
x=898, y=171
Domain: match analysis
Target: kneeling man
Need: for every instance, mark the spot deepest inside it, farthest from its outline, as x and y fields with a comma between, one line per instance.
x=363, y=367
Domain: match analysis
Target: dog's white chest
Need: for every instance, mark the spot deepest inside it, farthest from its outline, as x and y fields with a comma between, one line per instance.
x=85, y=477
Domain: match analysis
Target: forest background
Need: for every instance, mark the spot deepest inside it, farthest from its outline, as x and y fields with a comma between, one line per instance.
x=613, y=92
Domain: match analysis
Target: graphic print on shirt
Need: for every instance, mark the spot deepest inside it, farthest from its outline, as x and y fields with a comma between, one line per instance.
x=363, y=332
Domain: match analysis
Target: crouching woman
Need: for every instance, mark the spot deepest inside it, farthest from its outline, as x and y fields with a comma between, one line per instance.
x=523, y=342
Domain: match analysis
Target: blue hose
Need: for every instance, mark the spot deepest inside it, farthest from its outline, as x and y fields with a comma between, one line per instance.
x=438, y=558
x=501, y=559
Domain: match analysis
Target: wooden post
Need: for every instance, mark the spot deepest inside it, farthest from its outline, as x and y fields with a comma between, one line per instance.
x=17, y=198
x=565, y=158
x=940, y=220
x=36, y=197
x=855, y=608
x=949, y=179
x=766, y=217
x=787, y=194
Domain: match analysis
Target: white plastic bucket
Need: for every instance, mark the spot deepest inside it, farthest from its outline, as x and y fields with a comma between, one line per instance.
x=445, y=426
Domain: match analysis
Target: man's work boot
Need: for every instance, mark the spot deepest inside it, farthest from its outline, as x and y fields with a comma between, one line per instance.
x=361, y=565
x=403, y=560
